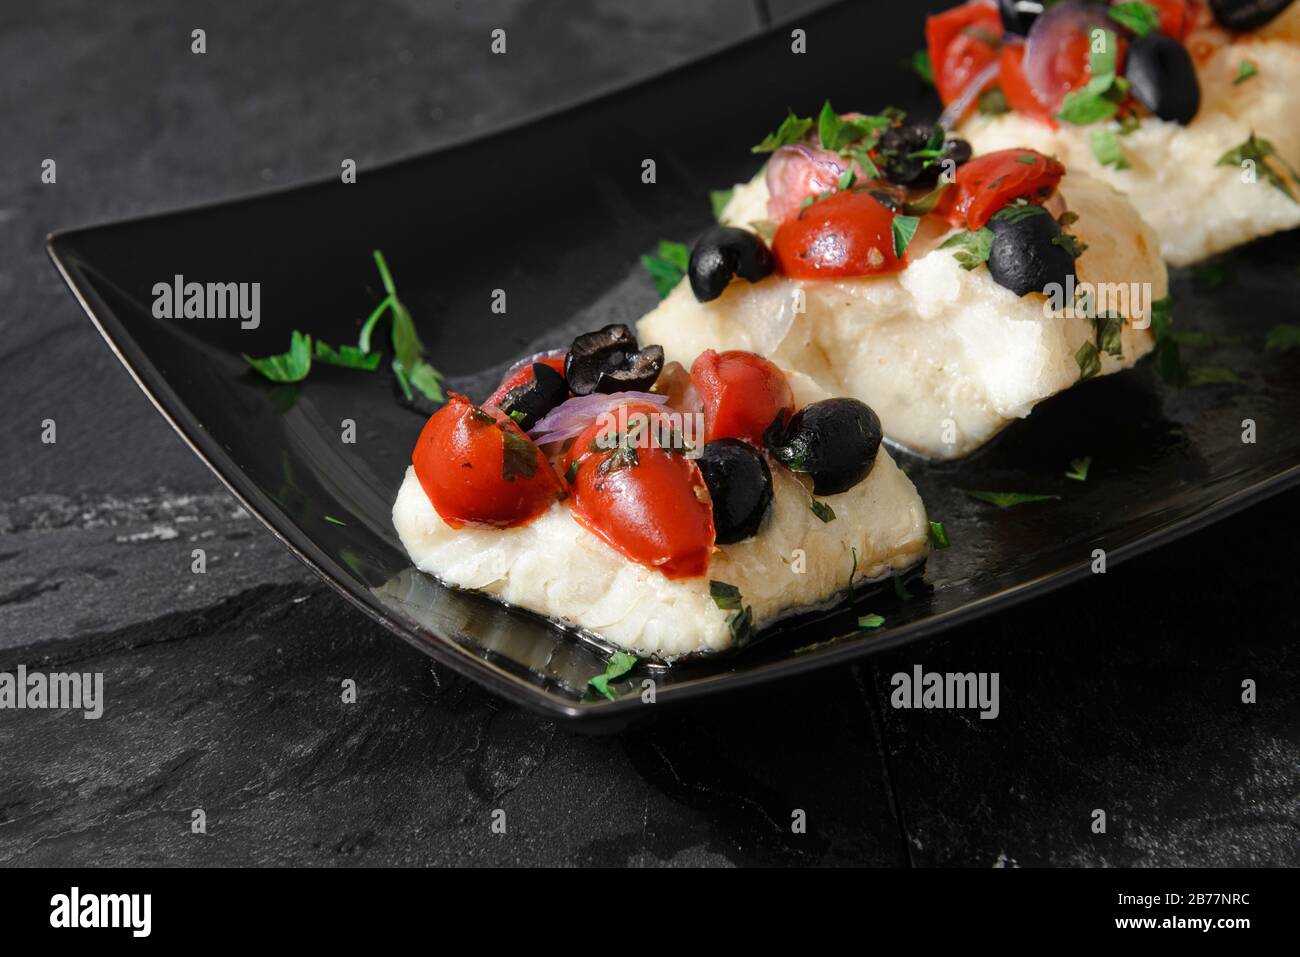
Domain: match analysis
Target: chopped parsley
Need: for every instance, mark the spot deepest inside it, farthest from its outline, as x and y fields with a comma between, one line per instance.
x=1008, y=499
x=871, y=621
x=971, y=249
x=728, y=598
x=926, y=203
x=719, y=198
x=939, y=535
x=836, y=132
x=291, y=366
x=1140, y=18
x=334, y=521
x=1211, y=375
x=922, y=67
x=1283, y=337
x=1166, y=356
x=619, y=664
x=1079, y=469
x=667, y=265
x=1245, y=72
x=904, y=229
x=1016, y=211
x=1089, y=360
x=993, y=102
x=1259, y=151
x=792, y=130
x=519, y=456
x=571, y=473
x=1106, y=148
x=1100, y=98
x=853, y=569
x=1110, y=335
x=821, y=510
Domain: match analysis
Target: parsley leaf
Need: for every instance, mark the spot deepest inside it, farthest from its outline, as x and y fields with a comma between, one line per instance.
x=334, y=521
x=972, y=248
x=728, y=598
x=1099, y=99
x=922, y=67
x=619, y=664
x=349, y=357
x=1166, y=356
x=821, y=510
x=939, y=535
x=792, y=130
x=1008, y=499
x=1105, y=146
x=667, y=266
x=1258, y=151
x=1211, y=375
x=871, y=621
x=1110, y=331
x=719, y=198
x=993, y=102
x=1283, y=337
x=291, y=366
x=1089, y=360
x=1079, y=469
x=1141, y=18
x=904, y=228
x=725, y=595
x=1245, y=72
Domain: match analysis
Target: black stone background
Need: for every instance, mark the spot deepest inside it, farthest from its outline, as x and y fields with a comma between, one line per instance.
x=1120, y=693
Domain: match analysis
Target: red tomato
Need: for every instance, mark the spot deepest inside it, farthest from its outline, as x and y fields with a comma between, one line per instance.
x=1175, y=19
x=1015, y=87
x=743, y=394
x=848, y=234
x=472, y=478
x=524, y=374
x=989, y=182
x=962, y=42
x=654, y=508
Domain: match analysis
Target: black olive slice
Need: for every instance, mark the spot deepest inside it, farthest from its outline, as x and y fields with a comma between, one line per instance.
x=1019, y=15
x=898, y=150
x=834, y=440
x=1246, y=14
x=1163, y=78
x=740, y=485
x=723, y=252
x=1026, y=254
x=610, y=360
x=534, y=398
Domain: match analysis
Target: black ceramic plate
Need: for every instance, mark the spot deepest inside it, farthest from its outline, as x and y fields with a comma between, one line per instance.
x=555, y=213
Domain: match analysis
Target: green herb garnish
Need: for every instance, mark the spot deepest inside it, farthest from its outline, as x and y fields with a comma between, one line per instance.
x=1079, y=469
x=971, y=249
x=792, y=130
x=1259, y=151
x=519, y=458
x=1099, y=99
x=619, y=664
x=1110, y=331
x=1105, y=146
x=719, y=198
x=993, y=102
x=922, y=67
x=408, y=351
x=571, y=473
x=667, y=265
x=871, y=621
x=291, y=366
x=728, y=598
x=1089, y=360
x=1211, y=375
x=1245, y=72
x=725, y=595
x=939, y=535
x=1283, y=337
x=904, y=228
x=349, y=357
x=1008, y=499
x=334, y=521
x=1141, y=18
x=821, y=510
x=1018, y=210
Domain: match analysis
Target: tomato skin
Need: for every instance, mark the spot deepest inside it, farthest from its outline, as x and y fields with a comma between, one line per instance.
x=743, y=394
x=847, y=234
x=459, y=460
x=523, y=374
x=955, y=55
x=989, y=182
x=1175, y=18
x=656, y=512
x=1015, y=86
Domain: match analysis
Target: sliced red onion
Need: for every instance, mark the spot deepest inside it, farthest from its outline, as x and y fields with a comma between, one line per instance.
x=573, y=415
x=955, y=110
x=1046, y=48
x=796, y=172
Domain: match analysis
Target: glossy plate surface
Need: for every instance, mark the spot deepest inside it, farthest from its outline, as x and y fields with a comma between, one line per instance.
x=555, y=212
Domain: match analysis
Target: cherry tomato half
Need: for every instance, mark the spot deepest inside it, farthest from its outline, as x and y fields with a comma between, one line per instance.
x=1175, y=18
x=1016, y=88
x=479, y=469
x=989, y=182
x=524, y=374
x=962, y=42
x=649, y=503
x=743, y=394
x=847, y=234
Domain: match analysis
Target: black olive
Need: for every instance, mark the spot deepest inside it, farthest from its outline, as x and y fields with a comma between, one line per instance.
x=740, y=484
x=723, y=252
x=834, y=440
x=1019, y=15
x=1246, y=14
x=610, y=361
x=1024, y=256
x=1163, y=78
x=897, y=145
x=534, y=398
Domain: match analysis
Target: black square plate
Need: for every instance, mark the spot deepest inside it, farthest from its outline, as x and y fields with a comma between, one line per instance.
x=555, y=213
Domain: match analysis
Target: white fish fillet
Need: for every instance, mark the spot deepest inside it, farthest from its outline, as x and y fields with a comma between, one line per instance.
x=555, y=567
x=1196, y=207
x=945, y=356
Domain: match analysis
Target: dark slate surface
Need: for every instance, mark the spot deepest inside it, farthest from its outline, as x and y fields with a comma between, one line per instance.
x=1121, y=693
